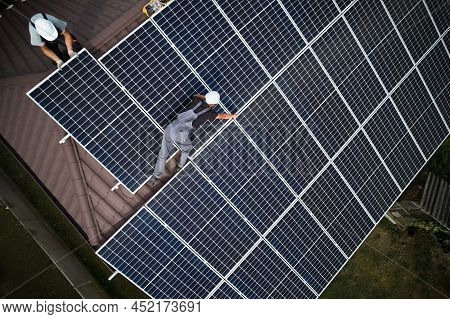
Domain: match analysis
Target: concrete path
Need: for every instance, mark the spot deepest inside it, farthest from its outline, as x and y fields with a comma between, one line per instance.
x=69, y=265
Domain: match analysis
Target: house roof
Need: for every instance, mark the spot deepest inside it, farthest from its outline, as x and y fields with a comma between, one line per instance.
x=75, y=179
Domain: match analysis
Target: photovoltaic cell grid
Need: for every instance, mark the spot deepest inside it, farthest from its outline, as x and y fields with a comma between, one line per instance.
x=263, y=223
x=309, y=242
x=141, y=61
x=157, y=77
x=92, y=107
x=201, y=217
x=211, y=46
x=154, y=259
x=267, y=30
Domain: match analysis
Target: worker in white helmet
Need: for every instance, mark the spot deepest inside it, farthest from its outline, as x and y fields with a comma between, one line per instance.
x=49, y=33
x=200, y=111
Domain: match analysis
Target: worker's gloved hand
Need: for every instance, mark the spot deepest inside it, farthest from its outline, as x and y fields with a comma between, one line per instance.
x=72, y=54
x=59, y=64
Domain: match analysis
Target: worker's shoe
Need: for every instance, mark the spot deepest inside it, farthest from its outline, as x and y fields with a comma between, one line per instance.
x=154, y=181
x=176, y=170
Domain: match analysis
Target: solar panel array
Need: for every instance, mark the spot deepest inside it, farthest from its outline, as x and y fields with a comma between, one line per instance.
x=101, y=117
x=341, y=103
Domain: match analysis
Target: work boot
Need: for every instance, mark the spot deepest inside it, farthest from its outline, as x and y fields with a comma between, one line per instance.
x=175, y=170
x=153, y=181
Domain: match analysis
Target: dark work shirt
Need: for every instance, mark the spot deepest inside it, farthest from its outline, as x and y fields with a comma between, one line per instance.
x=207, y=116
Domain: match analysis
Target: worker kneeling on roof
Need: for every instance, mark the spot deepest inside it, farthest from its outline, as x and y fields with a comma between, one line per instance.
x=178, y=131
x=48, y=33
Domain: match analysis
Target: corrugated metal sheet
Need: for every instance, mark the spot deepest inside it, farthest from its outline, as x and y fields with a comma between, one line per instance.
x=75, y=179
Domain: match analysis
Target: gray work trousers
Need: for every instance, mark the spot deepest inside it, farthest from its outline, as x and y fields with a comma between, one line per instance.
x=166, y=149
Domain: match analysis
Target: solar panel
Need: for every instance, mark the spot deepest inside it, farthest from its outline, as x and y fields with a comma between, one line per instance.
x=203, y=219
x=338, y=51
x=150, y=69
x=330, y=132
x=245, y=178
x=332, y=124
x=447, y=40
x=343, y=3
x=395, y=145
x=439, y=12
x=264, y=275
x=86, y=102
x=370, y=23
x=331, y=201
x=418, y=32
x=305, y=85
x=141, y=61
x=365, y=173
x=301, y=241
x=399, y=9
x=435, y=69
x=267, y=30
x=226, y=292
x=420, y=114
x=279, y=133
x=154, y=259
x=390, y=60
x=311, y=16
x=209, y=44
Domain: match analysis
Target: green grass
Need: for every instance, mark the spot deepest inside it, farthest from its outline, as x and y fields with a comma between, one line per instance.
x=117, y=288
x=375, y=272
x=22, y=258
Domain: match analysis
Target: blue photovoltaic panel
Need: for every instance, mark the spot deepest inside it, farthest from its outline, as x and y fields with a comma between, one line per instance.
x=143, y=243
x=435, y=69
x=420, y=114
x=201, y=217
x=392, y=140
x=338, y=51
x=311, y=16
x=209, y=43
x=391, y=61
x=305, y=84
x=332, y=124
x=85, y=105
x=263, y=275
x=90, y=106
x=399, y=9
x=155, y=260
x=197, y=29
x=279, y=133
x=269, y=32
x=440, y=10
x=363, y=91
x=364, y=171
x=150, y=69
x=245, y=178
x=333, y=204
x=343, y=3
x=418, y=31
x=443, y=101
x=370, y=23
x=241, y=13
x=306, y=247
x=243, y=183
x=186, y=277
x=128, y=147
x=225, y=292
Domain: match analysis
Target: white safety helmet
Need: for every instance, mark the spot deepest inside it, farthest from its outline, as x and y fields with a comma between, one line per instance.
x=212, y=98
x=46, y=29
